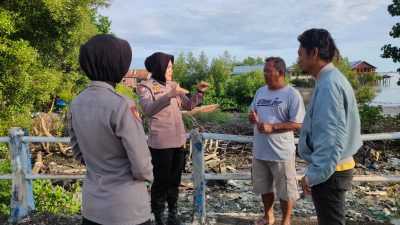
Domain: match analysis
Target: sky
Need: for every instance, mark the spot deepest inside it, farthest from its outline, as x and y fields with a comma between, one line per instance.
x=252, y=28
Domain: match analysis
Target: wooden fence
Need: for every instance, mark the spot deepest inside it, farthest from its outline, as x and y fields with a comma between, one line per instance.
x=22, y=202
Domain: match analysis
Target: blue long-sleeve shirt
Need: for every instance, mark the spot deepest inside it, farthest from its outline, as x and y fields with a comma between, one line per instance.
x=331, y=127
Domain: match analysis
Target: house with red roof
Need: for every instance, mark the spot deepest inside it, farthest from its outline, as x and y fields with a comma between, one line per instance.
x=362, y=67
x=133, y=77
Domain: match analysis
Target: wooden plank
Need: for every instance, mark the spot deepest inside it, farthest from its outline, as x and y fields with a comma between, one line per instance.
x=210, y=156
x=199, y=201
x=22, y=203
x=222, y=168
x=38, y=164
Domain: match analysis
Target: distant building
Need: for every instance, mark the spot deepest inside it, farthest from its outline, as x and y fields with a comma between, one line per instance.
x=291, y=72
x=133, y=77
x=362, y=67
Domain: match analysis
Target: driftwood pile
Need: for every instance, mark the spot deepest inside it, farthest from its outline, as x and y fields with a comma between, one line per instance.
x=50, y=125
x=56, y=158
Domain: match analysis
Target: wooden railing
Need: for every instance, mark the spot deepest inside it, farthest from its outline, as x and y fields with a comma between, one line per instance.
x=22, y=202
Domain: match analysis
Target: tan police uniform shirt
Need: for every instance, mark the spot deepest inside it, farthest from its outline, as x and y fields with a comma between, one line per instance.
x=107, y=137
x=166, y=129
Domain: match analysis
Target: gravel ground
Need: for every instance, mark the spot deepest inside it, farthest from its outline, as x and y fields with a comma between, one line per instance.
x=216, y=219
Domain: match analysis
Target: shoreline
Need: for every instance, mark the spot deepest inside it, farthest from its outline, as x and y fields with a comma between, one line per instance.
x=391, y=110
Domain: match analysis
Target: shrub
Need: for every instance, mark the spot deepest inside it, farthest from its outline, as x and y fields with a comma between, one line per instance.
x=5, y=185
x=55, y=199
x=301, y=83
x=370, y=116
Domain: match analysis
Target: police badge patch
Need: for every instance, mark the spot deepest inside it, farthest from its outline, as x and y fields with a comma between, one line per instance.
x=135, y=112
x=143, y=89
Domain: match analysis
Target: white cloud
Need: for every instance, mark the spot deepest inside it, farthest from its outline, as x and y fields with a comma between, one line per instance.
x=245, y=27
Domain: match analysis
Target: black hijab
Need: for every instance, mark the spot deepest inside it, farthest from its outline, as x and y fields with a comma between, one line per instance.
x=157, y=64
x=105, y=58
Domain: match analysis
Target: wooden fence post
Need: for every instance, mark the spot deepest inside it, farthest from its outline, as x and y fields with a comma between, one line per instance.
x=22, y=202
x=198, y=177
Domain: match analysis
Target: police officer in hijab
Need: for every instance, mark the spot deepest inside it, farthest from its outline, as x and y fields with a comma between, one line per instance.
x=161, y=99
x=107, y=137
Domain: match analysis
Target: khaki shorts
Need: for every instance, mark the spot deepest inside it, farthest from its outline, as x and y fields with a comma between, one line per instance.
x=269, y=174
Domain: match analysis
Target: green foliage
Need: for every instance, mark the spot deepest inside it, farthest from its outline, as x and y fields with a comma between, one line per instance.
x=364, y=92
x=250, y=61
x=122, y=89
x=18, y=69
x=103, y=23
x=397, y=120
x=5, y=195
x=39, y=47
x=370, y=117
x=5, y=185
x=220, y=71
x=369, y=78
x=47, y=197
x=300, y=82
x=390, y=51
x=55, y=199
x=189, y=70
x=180, y=69
x=242, y=88
x=343, y=65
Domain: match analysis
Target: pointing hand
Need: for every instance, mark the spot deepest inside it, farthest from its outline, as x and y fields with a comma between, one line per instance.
x=177, y=91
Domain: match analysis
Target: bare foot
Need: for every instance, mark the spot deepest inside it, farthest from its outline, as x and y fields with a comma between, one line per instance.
x=271, y=218
x=285, y=221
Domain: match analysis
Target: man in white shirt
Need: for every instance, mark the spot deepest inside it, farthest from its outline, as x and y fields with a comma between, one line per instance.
x=276, y=111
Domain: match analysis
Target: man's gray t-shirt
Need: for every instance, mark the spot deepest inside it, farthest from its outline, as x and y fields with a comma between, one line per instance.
x=276, y=106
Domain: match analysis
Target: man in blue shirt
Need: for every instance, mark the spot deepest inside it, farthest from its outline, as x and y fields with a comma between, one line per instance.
x=330, y=134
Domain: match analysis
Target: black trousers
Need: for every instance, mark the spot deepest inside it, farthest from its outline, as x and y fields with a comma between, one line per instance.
x=329, y=198
x=168, y=165
x=88, y=222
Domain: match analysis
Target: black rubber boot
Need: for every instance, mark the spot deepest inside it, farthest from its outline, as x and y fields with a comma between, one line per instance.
x=159, y=218
x=172, y=219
